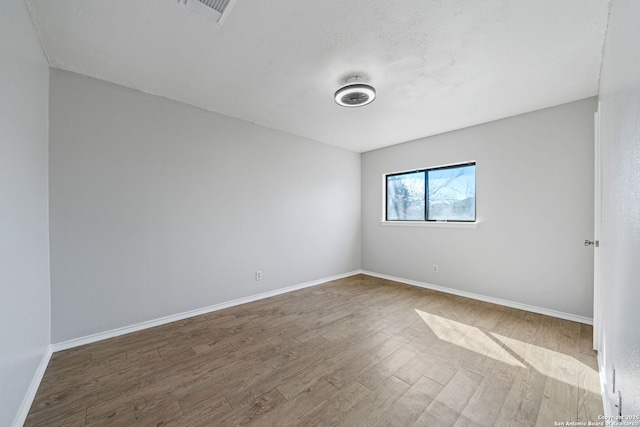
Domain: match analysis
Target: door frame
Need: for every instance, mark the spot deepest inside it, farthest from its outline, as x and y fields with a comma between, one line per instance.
x=597, y=228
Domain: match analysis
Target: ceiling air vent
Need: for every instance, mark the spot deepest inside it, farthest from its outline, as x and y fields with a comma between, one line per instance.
x=216, y=10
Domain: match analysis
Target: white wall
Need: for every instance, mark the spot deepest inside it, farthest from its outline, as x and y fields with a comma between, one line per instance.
x=534, y=178
x=24, y=236
x=620, y=242
x=158, y=207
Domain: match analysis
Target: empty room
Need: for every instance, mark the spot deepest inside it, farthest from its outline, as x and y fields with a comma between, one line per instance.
x=337, y=213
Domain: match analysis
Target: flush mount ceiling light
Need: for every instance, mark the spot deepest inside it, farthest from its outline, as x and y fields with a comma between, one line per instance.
x=355, y=93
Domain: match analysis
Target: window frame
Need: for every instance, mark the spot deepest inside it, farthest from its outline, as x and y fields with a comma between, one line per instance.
x=426, y=221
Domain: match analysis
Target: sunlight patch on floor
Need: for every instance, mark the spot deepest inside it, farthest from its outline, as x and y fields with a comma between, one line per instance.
x=553, y=364
x=468, y=337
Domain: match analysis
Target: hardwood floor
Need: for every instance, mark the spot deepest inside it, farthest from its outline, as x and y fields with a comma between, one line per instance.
x=356, y=351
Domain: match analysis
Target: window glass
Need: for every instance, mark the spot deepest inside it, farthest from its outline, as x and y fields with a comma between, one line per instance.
x=446, y=193
x=452, y=194
x=405, y=197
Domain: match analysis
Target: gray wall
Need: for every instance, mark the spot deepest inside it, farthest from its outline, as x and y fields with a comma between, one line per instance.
x=158, y=207
x=534, y=179
x=620, y=242
x=24, y=235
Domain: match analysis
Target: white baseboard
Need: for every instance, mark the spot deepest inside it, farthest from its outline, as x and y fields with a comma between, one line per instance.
x=76, y=342
x=27, y=401
x=506, y=303
x=21, y=416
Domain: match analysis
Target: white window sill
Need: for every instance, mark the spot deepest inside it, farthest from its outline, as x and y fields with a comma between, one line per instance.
x=429, y=224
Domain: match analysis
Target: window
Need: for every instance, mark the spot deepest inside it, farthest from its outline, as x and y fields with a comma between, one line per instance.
x=442, y=194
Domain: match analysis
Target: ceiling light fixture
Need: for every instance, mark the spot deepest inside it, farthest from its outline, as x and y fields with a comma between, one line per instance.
x=355, y=93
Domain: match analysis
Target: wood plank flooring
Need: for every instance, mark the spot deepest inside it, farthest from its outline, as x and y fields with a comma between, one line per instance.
x=353, y=352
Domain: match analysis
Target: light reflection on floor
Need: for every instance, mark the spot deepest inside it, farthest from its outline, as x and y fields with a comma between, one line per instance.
x=512, y=351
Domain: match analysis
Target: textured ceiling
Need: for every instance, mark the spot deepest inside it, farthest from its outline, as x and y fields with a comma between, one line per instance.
x=437, y=65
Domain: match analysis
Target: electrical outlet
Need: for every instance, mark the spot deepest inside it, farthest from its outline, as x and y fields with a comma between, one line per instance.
x=435, y=269
x=259, y=275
